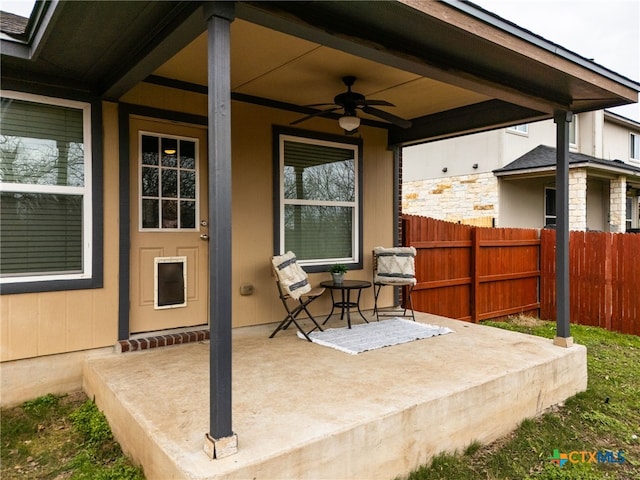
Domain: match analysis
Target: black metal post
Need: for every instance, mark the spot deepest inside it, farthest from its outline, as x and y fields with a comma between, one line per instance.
x=562, y=120
x=219, y=16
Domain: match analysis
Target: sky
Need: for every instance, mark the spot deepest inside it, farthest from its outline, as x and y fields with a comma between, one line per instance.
x=607, y=31
x=19, y=7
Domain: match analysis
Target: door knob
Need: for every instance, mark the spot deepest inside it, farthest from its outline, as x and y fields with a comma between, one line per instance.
x=204, y=223
x=204, y=236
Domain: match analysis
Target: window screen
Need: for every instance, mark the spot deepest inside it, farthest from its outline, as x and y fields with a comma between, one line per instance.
x=319, y=204
x=45, y=214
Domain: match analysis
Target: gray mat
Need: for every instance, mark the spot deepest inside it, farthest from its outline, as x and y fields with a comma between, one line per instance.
x=370, y=336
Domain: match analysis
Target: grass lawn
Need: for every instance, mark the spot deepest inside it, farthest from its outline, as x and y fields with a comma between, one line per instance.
x=604, y=418
x=61, y=437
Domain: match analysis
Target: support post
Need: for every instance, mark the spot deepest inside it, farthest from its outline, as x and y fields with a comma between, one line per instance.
x=220, y=441
x=563, y=337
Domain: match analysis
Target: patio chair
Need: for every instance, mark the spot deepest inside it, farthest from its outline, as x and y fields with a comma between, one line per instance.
x=394, y=267
x=295, y=292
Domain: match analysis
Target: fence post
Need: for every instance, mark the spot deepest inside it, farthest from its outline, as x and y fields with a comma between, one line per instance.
x=608, y=282
x=475, y=275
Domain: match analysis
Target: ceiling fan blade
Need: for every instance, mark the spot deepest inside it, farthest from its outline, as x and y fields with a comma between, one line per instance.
x=400, y=122
x=383, y=103
x=315, y=114
x=313, y=105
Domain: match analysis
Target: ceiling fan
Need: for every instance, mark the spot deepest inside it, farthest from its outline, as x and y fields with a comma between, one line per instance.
x=350, y=101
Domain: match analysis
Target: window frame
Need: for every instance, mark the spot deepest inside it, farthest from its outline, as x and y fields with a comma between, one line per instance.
x=546, y=217
x=634, y=145
x=91, y=275
x=280, y=134
x=520, y=129
x=632, y=214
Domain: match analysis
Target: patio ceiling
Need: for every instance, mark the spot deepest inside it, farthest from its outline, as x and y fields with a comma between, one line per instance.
x=307, y=73
x=450, y=67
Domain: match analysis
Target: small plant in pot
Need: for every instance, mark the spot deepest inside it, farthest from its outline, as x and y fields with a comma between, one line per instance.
x=337, y=272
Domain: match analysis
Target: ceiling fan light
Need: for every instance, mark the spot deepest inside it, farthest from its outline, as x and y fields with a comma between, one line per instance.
x=349, y=122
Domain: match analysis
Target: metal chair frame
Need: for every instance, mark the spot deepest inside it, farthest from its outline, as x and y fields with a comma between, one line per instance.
x=377, y=286
x=293, y=309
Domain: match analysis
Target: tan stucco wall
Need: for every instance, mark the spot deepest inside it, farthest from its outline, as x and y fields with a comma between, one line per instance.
x=616, y=142
x=253, y=209
x=37, y=324
x=252, y=184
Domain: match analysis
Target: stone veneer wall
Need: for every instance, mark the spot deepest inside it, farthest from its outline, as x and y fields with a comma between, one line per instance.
x=452, y=198
x=578, y=199
x=618, y=205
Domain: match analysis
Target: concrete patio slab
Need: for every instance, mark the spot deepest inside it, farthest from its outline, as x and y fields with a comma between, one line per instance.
x=304, y=411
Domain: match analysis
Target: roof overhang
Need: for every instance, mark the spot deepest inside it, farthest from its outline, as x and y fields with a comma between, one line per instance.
x=608, y=171
x=415, y=54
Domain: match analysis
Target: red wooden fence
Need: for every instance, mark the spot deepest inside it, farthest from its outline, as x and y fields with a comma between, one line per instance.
x=472, y=273
x=604, y=279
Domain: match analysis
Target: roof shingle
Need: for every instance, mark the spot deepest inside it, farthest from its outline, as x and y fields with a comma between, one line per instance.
x=13, y=24
x=544, y=156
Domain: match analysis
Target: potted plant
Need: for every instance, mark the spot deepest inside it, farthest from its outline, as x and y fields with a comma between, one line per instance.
x=337, y=272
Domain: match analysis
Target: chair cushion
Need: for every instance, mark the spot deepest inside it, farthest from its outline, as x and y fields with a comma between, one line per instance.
x=292, y=277
x=395, y=265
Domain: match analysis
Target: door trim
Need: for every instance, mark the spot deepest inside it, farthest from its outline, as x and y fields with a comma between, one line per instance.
x=125, y=110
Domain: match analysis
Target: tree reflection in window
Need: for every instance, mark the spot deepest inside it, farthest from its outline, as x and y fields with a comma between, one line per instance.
x=168, y=182
x=319, y=200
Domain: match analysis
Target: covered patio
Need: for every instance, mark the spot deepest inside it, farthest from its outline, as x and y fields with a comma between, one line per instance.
x=306, y=411
x=237, y=79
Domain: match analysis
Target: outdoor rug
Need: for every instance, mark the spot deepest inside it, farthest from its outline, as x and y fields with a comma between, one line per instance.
x=370, y=336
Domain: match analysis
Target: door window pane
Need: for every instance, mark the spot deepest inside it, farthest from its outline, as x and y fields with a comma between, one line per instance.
x=150, y=149
x=149, y=182
x=150, y=213
x=187, y=184
x=188, y=214
x=169, y=188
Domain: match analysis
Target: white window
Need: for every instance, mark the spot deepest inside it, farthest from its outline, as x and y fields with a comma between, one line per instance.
x=45, y=185
x=168, y=182
x=521, y=129
x=573, y=132
x=634, y=150
x=550, y=218
x=319, y=200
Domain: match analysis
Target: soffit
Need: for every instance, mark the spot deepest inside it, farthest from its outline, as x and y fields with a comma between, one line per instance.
x=307, y=73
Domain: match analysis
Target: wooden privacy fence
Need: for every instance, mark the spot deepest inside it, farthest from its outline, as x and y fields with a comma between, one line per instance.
x=604, y=279
x=472, y=273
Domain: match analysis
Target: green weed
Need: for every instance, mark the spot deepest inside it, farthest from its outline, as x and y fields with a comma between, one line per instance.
x=55, y=437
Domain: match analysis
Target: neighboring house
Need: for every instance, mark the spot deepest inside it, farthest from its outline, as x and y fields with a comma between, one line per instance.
x=507, y=177
x=150, y=169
